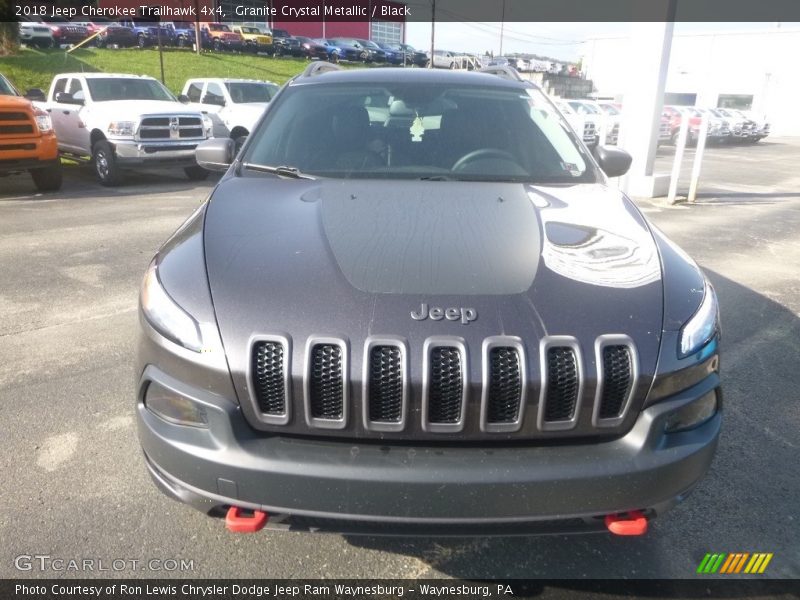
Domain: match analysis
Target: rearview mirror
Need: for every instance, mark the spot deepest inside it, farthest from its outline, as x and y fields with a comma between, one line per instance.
x=215, y=154
x=615, y=162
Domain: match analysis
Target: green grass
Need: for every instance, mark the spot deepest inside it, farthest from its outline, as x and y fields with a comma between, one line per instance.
x=31, y=68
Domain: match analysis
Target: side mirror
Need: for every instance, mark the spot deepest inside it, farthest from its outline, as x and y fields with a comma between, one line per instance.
x=35, y=94
x=615, y=162
x=215, y=154
x=183, y=98
x=67, y=98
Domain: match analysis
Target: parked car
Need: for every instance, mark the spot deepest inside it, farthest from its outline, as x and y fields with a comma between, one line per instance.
x=233, y=105
x=761, y=126
x=36, y=34
x=413, y=56
x=148, y=33
x=312, y=49
x=607, y=123
x=340, y=50
x=222, y=38
x=445, y=59
x=585, y=126
x=285, y=44
x=121, y=121
x=392, y=54
x=110, y=33
x=255, y=40
x=292, y=372
x=62, y=31
x=185, y=35
x=743, y=129
x=27, y=140
x=718, y=131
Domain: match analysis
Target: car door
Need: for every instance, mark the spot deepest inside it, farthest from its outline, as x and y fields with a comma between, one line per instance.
x=78, y=137
x=60, y=113
x=213, y=103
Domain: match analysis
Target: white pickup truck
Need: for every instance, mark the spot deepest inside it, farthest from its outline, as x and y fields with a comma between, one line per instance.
x=233, y=105
x=121, y=121
x=586, y=126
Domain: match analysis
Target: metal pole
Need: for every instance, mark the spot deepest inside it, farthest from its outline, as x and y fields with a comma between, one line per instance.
x=433, y=28
x=160, y=51
x=698, y=158
x=197, y=40
x=676, y=164
x=502, y=26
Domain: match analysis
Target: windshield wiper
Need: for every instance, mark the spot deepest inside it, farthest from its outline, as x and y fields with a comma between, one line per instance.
x=281, y=171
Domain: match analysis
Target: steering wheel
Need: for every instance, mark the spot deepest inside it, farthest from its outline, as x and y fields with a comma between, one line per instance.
x=482, y=153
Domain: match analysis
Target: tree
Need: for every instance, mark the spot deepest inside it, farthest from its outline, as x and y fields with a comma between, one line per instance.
x=9, y=31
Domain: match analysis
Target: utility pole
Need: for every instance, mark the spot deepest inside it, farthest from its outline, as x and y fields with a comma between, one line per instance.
x=160, y=50
x=433, y=28
x=502, y=26
x=197, y=42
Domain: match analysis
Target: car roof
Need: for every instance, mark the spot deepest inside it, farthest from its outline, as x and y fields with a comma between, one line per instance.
x=388, y=75
x=105, y=75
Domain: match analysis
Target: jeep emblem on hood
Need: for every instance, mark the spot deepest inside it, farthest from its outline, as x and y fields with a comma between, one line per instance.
x=465, y=315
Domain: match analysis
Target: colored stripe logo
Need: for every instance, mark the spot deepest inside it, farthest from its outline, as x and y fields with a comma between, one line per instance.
x=737, y=562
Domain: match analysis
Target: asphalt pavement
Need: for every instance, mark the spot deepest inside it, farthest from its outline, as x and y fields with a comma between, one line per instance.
x=74, y=485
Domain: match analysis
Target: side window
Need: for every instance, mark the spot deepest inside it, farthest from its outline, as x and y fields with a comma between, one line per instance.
x=61, y=86
x=214, y=95
x=75, y=86
x=194, y=91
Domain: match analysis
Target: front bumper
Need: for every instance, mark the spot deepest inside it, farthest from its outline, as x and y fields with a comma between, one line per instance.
x=145, y=152
x=19, y=154
x=417, y=489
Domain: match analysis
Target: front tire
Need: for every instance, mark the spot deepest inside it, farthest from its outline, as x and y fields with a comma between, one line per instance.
x=49, y=178
x=141, y=41
x=196, y=173
x=105, y=164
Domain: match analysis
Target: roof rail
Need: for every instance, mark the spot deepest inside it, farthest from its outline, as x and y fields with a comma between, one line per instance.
x=319, y=67
x=503, y=71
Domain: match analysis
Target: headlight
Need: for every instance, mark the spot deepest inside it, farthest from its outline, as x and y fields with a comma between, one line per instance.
x=208, y=124
x=121, y=128
x=43, y=121
x=169, y=319
x=702, y=326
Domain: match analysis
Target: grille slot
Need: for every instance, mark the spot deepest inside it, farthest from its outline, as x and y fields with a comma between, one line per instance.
x=326, y=389
x=505, y=385
x=445, y=387
x=385, y=384
x=562, y=383
x=269, y=377
x=617, y=379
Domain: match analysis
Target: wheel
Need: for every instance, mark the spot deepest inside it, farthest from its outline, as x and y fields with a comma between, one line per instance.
x=141, y=41
x=196, y=173
x=452, y=66
x=334, y=58
x=49, y=178
x=217, y=45
x=674, y=138
x=182, y=42
x=46, y=43
x=105, y=164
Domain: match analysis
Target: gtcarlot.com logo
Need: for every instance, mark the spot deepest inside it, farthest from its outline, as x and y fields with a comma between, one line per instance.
x=734, y=563
x=45, y=562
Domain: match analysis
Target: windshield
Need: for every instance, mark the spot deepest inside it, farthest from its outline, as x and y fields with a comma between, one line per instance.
x=251, y=91
x=610, y=109
x=6, y=89
x=420, y=131
x=103, y=89
x=250, y=30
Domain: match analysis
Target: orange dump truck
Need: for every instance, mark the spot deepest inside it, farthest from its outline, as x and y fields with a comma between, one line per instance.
x=27, y=140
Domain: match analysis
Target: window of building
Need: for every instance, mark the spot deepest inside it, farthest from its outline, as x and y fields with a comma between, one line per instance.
x=387, y=32
x=740, y=101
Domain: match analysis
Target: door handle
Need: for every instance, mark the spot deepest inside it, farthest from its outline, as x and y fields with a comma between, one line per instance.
x=49, y=110
x=66, y=112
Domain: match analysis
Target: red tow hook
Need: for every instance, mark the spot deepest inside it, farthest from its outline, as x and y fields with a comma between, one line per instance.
x=631, y=523
x=237, y=523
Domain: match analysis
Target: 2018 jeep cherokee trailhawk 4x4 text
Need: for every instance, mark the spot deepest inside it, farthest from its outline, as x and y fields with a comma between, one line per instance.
x=414, y=304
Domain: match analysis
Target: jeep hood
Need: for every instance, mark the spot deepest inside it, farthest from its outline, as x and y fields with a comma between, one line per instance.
x=353, y=258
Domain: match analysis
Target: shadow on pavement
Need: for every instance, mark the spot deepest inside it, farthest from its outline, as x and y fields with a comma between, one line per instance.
x=745, y=504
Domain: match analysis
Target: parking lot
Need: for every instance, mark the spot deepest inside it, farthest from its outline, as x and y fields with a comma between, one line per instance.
x=75, y=485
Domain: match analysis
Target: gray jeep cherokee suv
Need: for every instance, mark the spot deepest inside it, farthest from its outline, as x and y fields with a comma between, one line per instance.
x=413, y=304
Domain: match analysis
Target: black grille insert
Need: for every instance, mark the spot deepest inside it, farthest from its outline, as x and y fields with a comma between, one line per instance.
x=385, y=384
x=326, y=383
x=269, y=380
x=617, y=380
x=505, y=385
x=562, y=384
x=446, y=385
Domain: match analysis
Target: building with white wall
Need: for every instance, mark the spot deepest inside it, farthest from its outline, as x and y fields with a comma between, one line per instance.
x=755, y=70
